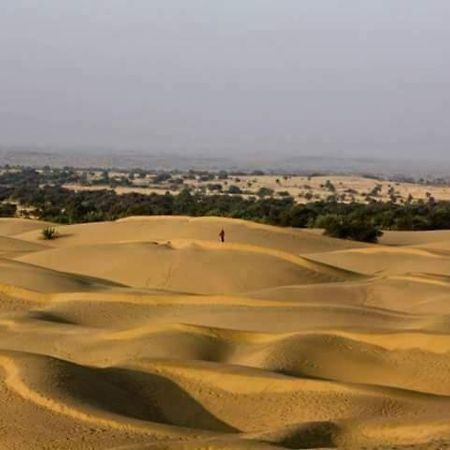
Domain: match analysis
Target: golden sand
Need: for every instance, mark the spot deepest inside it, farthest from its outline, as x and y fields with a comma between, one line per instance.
x=147, y=333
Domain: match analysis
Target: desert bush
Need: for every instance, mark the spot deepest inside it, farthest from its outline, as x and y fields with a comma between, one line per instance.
x=48, y=233
x=233, y=189
x=264, y=192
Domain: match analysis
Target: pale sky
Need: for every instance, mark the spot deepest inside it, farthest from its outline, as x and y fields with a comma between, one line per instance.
x=324, y=77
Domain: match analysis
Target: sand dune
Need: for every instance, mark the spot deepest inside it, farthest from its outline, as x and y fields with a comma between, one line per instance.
x=404, y=238
x=13, y=227
x=169, y=228
x=179, y=265
x=387, y=260
x=147, y=333
x=10, y=247
x=17, y=274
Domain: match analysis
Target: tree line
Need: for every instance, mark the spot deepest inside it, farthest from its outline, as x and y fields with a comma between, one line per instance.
x=344, y=220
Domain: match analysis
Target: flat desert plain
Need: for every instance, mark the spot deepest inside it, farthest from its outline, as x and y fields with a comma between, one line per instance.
x=148, y=333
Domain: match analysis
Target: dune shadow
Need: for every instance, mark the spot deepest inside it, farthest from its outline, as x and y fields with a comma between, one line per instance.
x=311, y=435
x=139, y=395
x=60, y=235
x=47, y=316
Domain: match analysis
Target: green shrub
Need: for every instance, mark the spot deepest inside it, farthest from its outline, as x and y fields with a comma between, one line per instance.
x=264, y=192
x=233, y=189
x=48, y=233
x=356, y=228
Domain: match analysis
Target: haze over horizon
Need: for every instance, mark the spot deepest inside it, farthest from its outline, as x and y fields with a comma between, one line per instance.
x=366, y=79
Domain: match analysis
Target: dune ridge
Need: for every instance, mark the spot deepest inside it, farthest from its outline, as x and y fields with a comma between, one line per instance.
x=147, y=333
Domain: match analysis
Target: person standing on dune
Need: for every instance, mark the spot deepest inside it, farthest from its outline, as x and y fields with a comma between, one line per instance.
x=222, y=235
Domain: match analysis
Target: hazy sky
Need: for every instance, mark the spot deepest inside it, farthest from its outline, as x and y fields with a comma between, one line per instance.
x=366, y=77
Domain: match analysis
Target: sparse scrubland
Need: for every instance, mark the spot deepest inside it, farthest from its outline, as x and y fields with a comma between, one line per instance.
x=43, y=195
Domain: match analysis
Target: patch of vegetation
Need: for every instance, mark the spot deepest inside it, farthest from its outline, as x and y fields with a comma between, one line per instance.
x=8, y=210
x=349, y=227
x=264, y=192
x=217, y=187
x=162, y=177
x=48, y=233
x=233, y=189
x=330, y=186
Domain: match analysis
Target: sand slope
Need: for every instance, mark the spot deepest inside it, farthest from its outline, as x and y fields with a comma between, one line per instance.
x=147, y=333
x=179, y=265
x=169, y=228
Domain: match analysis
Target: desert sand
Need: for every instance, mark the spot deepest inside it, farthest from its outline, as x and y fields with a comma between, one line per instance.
x=148, y=333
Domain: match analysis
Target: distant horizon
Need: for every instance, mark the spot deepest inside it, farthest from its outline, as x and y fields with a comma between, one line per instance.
x=211, y=152
x=274, y=163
